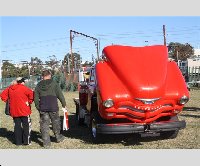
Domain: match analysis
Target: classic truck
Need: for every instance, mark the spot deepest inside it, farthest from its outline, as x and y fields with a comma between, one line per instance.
x=133, y=90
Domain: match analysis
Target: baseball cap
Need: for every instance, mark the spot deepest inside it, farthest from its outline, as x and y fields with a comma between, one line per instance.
x=20, y=79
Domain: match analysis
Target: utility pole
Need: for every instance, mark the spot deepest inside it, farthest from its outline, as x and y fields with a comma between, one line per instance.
x=177, y=54
x=72, y=57
x=68, y=66
x=164, y=34
x=78, y=33
x=99, y=46
x=0, y=74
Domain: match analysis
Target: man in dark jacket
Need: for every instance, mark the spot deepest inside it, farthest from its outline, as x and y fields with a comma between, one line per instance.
x=46, y=93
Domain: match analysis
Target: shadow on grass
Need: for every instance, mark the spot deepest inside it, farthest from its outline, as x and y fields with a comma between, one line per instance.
x=35, y=136
x=191, y=109
x=191, y=116
x=82, y=133
x=4, y=133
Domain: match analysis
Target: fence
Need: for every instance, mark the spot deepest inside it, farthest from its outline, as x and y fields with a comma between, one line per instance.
x=31, y=82
x=67, y=83
x=192, y=75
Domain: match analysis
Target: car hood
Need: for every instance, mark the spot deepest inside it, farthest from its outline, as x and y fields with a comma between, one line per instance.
x=141, y=70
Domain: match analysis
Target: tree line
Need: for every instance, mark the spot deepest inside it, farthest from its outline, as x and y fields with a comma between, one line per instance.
x=176, y=50
x=36, y=65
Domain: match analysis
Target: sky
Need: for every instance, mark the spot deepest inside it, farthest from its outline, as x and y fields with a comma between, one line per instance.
x=23, y=37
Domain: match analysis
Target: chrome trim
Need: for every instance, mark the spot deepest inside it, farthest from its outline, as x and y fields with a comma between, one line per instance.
x=147, y=101
x=132, y=109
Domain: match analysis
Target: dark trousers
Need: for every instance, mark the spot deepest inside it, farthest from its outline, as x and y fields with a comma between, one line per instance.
x=22, y=130
x=45, y=118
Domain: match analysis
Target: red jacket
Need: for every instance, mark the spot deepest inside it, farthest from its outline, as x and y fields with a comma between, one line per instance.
x=19, y=95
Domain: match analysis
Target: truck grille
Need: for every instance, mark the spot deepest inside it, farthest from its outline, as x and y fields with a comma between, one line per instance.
x=132, y=109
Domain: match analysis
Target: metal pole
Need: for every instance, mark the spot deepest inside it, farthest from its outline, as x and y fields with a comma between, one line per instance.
x=0, y=74
x=97, y=50
x=164, y=35
x=99, y=46
x=72, y=70
x=177, y=55
x=68, y=65
x=97, y=43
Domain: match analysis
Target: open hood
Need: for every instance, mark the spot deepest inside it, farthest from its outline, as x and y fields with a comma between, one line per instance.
x=141, y=70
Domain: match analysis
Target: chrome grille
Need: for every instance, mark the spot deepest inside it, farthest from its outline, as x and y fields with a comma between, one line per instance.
x=132, y=109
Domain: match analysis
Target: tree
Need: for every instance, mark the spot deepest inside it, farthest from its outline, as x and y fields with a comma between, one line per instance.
x=68, y=61
x=180, y=51
x=8, y=70
x=22, y=72
x=60, y=79
x=53, y=63
x=87, y=64
x=35, y=66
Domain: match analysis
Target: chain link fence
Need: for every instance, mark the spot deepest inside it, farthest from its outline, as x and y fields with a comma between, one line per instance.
x=31, y=82
x=67, y=82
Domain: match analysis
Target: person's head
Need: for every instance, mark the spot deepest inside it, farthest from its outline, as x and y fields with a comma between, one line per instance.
x=20, y=80
x=13, y=82
x=46, y=74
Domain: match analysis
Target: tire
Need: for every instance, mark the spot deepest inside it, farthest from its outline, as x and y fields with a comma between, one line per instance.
x=79, y=120
x=170, y=134
x=95, y=136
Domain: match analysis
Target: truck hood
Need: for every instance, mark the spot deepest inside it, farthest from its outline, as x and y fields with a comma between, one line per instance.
x=141, y=70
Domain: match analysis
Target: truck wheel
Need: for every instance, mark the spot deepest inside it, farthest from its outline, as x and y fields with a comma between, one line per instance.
x=95, y=136
x=78, y=119
x=169, y=134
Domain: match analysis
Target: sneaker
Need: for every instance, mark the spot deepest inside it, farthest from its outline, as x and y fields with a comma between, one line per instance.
x=60, y=138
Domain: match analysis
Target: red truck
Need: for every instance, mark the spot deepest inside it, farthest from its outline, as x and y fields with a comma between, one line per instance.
x=133, y=90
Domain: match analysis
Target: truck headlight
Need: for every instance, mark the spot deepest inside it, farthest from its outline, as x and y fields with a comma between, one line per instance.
x=183, y=100
x=108, y=103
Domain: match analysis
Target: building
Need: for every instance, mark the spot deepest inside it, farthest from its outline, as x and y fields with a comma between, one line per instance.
x=197, y=52
x=194, y=65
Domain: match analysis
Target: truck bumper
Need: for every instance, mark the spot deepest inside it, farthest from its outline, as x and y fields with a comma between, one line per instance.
x=138, y=128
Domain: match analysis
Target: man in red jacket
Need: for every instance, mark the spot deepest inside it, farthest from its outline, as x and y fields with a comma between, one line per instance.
x=20, y=98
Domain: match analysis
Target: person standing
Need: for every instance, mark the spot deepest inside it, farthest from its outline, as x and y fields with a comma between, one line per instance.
x=5, y=93
x=20, y=98
x=46, y=93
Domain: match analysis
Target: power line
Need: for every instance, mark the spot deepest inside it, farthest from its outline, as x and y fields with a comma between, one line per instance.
x=35, y=42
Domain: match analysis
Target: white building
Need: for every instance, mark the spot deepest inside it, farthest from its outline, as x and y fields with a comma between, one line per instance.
x=197, y=52
x=192, y=65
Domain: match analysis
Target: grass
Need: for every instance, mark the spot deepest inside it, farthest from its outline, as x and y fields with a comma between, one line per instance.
x=77, y=137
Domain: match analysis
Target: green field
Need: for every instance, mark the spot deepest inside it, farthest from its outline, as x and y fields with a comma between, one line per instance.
x=77, y=137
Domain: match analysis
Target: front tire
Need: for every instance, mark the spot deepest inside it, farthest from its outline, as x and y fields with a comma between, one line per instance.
x=95, y=136
x=79, y=120
x=170, y=134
